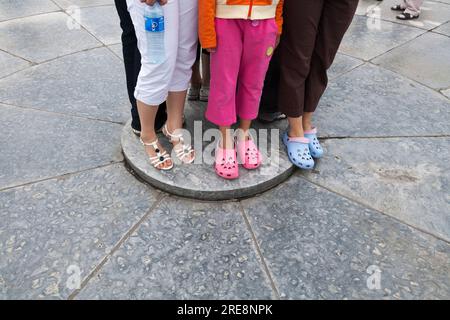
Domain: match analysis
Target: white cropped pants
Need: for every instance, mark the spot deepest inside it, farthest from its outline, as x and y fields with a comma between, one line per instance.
x=155, y=81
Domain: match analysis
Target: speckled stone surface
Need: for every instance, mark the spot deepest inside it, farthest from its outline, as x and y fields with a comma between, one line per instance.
x=373, y=102
x=443, y=29
x=433, y=14
x=68, y=221
x=89, y=84
x=11, y=9
x=365, y=6
x=446, y=93
x=52, y=145
x=103, y=22
x=199, y=180
x=82, y=3
x=318, y=245
x=407, y=178
x=10, y=64
x=366, y=41
x=377, y=202
x=117, y=49
x=342, y=64
x=24, y=37
x=186, y=250
x=416, y=61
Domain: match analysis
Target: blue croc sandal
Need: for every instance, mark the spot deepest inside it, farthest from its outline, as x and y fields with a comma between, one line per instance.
x=314, y=145
x=298, y=152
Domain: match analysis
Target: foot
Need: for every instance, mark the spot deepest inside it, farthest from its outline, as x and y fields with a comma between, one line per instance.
x=159, y=157
x=398, y=7
x=247, y=151
x=269, y=117
x=226, y=165
x=298, y=151
x=407, y=16
x=204, y=94
x=314, y=145
x=183, y=150
x=193, y=93
x=136, y=127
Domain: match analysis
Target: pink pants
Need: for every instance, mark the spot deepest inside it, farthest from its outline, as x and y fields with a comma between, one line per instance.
x=238, y=68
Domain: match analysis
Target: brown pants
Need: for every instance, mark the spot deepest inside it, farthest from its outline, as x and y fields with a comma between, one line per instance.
x=313, y=31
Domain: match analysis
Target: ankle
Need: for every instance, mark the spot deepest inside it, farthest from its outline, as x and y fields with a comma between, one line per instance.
x=242, y=134
x=148, y=137
x=307, y=126
x=296, y=133
x=226, y=142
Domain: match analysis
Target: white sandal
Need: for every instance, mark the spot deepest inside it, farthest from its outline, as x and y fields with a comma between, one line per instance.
x=185, y=150
x=160, y=158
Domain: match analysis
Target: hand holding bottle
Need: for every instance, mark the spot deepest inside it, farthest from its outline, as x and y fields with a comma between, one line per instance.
x=152, y=2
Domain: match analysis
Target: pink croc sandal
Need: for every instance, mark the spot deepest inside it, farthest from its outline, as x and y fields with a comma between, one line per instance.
x=248, y=153
x=226, y=163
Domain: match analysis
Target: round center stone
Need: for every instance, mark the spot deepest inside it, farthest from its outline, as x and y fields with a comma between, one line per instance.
x=199, y=180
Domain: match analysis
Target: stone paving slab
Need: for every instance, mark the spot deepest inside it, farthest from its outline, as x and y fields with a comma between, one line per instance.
x=82, y=3
x=117, y=49
x=368, y=38
x=342, y=64
x=103, y=22
x=37, y=145
x=318, y=245
x=185, y=250
x=10, y=64
x=29, y=37
x=443, y=29
x=416, y=61
x=446, y=93
x=433, y=14
x=12, y=9
x=373, y=102
x=407, y=178
x=89, y=84
x=366, y=7
x=70, y=221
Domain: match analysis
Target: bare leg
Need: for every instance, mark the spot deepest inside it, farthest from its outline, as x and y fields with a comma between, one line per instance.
x=196, y=78
x=307, y=121
x=175, y=111
x=206, y=70
x=295, y=127
x=147, y=115
x=227, y=138
x=244, y=126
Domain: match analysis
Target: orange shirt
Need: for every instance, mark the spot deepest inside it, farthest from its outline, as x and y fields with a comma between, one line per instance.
x=235, y=9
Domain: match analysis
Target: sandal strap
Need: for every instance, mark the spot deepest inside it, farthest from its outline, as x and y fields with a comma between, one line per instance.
x=153, y=144
x=184, y=149
x=161, y=157
x=173, y=136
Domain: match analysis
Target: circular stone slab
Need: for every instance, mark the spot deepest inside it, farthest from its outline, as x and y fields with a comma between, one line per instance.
x=199, y=180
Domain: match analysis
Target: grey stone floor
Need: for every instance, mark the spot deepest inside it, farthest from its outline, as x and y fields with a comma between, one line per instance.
x=377, y=207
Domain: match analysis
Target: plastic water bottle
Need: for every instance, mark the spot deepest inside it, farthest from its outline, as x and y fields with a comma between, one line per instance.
x=154, y=27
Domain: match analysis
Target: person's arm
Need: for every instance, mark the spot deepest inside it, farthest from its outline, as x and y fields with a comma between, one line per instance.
x=279, y=16
x=279, y=20
x=152, y=2
x=206, y=27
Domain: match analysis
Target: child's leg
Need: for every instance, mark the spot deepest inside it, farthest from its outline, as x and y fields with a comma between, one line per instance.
x=206, y=79
x=259, y=44
x=225, y=63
